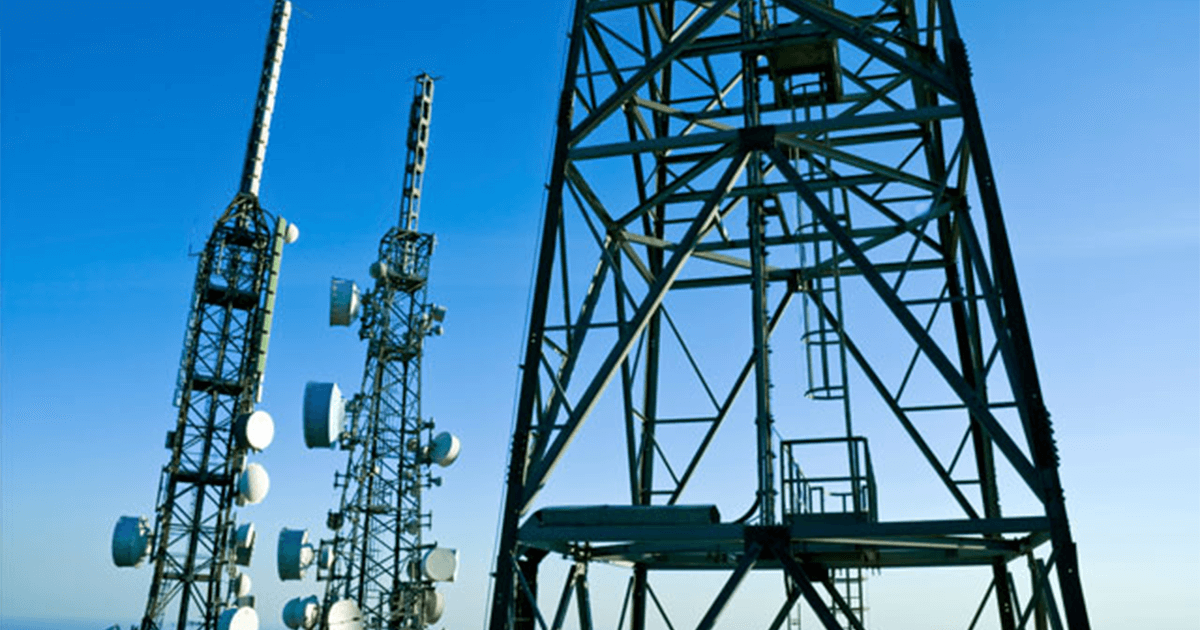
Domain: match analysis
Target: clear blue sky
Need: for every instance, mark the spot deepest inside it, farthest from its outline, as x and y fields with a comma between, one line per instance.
x=122, y=127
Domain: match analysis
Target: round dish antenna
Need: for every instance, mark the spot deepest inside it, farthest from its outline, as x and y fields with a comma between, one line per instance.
x=324, y=413
x=344, y=615
x=292, y=233
x=131, y=541
x=240, y=585
x=325, y=558
x=302, y=612
x=294, y=554
x=254, y=430
x=444, y=449
x=243, y=544
x=440, y=564
x=238, y=618
x=435, y=605
x=253, y=485
x=344, y=302
x=379, y=270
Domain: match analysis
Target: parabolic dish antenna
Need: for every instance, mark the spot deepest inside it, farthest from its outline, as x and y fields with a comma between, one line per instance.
x=379, y=270
x=294, y=554
x=240, y=585
x=131, y=541
x=343, y=302
x=325, y=557
x=292, y=234
x=238, y=618
x=440, y=564
x=344, y=615
x=254, y=430
x=444, y=449
x=435, y=605
x=243, y=544
x=253, y=484
x=302, y=612
x=324, y=413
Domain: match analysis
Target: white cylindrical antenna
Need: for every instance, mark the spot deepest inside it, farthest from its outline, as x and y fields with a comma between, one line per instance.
x=324, y=413
x=440, y=564
x=344, y=302
x=256, y=148
x=254, y=430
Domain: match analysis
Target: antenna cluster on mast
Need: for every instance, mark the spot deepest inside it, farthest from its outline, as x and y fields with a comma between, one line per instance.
x=194, y=543
x=378, y=567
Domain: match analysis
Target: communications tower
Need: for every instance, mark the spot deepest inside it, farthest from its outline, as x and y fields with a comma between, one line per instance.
x=194, y=543
x=379, y=567
x=772, y=248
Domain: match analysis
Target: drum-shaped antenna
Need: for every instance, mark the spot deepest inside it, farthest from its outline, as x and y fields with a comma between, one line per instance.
x=294, y=554
x=344, y=615
x=131, y=541
x=243, y=544
x=302, y=612
x=343, y=302
x=254, y=430
x=324, y=413
x=440, y=564
x=253, y=485
x=325, y=558
x=238, y=618
x=444, y=449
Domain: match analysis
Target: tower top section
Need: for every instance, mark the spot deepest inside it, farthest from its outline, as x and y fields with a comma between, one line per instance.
x=418, y=143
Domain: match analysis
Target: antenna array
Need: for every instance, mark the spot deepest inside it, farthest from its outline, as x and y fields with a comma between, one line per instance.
x=195, y=544
x=378, y=567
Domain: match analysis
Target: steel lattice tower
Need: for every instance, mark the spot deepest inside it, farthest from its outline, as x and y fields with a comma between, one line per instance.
x=196, y=542
x=748, y=187
x=377, y=554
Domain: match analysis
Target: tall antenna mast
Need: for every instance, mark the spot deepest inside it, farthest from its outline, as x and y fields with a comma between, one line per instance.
x=380, y=569
x=195, y=545
x=742, y=188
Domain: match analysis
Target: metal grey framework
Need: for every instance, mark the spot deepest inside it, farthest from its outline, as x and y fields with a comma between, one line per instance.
x=742, y=187
x=378, y=542
x=220, y=378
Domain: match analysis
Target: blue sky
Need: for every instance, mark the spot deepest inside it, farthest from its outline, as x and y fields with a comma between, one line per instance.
x=121, y=137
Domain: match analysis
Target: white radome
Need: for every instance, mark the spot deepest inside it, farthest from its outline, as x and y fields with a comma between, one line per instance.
x=241, y=585
x=344, y=615
x=440, y=564
x=253, y=484
x=238, y=618
x=292, y=234
x=255, y=430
